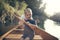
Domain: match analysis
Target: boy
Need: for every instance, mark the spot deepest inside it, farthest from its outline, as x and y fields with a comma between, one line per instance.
x=28, y=21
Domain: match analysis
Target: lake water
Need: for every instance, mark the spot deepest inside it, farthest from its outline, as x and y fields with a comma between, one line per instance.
x=52, y=28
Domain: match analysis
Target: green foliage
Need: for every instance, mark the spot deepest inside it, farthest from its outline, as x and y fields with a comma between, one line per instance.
x=9, y=7
x=20, y=6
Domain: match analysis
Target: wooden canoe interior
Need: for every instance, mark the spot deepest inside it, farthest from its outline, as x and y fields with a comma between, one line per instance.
x=17, y=32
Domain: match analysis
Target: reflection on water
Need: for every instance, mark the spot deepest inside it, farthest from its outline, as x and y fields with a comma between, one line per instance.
x=52, y=28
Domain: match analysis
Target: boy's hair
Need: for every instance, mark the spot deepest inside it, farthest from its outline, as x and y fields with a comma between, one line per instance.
x=29, y=10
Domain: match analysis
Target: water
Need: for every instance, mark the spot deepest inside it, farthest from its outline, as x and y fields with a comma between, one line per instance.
x=52, y=28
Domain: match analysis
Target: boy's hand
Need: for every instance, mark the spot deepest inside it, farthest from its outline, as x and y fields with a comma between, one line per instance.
x=22, y=21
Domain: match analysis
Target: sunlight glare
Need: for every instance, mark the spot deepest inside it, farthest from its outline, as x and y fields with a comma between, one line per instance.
x=52, y=7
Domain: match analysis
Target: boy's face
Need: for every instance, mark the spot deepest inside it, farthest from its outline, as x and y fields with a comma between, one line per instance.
x=27, y=15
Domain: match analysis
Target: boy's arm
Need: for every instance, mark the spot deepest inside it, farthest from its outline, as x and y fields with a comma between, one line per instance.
x=32, y=26
x=21, y=23
x=17, y=16
x=24, y=22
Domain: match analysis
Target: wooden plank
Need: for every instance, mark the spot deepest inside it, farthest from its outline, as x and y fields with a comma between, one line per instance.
x=37, y=37
x=18, y=36
x=19, y=29
x=13, y=37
